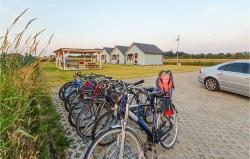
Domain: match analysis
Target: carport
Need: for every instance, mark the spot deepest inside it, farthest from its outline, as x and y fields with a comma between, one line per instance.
x=78, y=59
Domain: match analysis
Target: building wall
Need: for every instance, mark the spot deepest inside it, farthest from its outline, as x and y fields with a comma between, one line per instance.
x=144, y=59
x=151, y=59
x=135, y=50
x=107, y=56
x=121, y=56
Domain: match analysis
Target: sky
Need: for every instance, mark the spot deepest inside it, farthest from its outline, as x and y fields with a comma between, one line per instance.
x=205, y=26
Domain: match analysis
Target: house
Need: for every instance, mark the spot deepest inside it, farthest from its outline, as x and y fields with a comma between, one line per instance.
x=144, y=54
x=106, y=54
x=118, y=55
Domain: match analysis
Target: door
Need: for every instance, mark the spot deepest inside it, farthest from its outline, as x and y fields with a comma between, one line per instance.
x=235, y=77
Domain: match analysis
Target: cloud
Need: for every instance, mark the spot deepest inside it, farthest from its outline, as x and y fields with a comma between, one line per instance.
x=5, y=11
x=216, y=34
x=216, y=9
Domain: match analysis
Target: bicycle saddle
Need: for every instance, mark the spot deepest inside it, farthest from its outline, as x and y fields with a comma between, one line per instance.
x=150, y=89
x=109, y=78
x=155, y=92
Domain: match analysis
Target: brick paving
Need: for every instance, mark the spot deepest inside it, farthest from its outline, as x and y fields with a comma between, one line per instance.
x=211, y=124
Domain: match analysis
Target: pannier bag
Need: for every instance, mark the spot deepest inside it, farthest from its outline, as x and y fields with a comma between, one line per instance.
x=165, y=83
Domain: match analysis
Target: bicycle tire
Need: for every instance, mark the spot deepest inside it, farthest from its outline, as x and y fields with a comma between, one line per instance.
x=90, y=119
x=129, y=132
x=176, y=130
x=108, y=115
x=64, y=95
x=71, y=117
x=69, y=100
x=146, y=109
x=60, y=92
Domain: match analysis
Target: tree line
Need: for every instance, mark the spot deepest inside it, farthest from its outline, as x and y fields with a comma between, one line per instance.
x=183, y=55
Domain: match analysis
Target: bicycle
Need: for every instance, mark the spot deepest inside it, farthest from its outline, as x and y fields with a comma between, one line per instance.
x=126, y=142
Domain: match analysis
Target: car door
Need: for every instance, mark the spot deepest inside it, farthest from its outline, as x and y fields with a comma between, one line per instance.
x=246, y=79
x=234, y=77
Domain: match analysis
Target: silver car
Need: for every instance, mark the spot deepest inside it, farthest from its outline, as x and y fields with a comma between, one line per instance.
x=231, y=76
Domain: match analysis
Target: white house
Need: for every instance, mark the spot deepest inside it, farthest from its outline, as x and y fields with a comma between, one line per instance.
x=118, y=55
x=144, y=54
x=106, y=54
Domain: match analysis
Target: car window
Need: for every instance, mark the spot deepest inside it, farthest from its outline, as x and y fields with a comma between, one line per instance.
x=246, y=68
x=222, y=68
x=236, y=67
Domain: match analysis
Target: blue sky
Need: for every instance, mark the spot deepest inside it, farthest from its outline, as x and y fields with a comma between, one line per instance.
x=204, y=25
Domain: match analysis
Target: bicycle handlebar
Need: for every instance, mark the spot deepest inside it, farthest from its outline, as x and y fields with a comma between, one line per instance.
x=138, y=82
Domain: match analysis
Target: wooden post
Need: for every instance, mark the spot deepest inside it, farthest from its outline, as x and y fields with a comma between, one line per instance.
x=63, y=59
x=126, y=59
x=133, y=59
x=56, y=59
x=84, y=62
x=100, y=60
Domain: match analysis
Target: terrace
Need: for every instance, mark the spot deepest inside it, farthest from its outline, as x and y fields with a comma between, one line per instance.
x=78, y=59
x=132, y=59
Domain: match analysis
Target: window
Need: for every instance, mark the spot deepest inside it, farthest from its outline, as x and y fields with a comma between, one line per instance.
x=236, y=67
x=246, y=68
x=136, y=56
x=130, y=57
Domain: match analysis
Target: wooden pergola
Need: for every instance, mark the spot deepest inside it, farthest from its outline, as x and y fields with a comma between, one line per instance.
x=78, y=59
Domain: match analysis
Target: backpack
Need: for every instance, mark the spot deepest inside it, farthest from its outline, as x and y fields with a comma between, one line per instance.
x=165, y=83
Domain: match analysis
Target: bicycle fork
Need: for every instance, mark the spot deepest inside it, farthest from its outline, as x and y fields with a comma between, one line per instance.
x=121, y=139
x=123, y=132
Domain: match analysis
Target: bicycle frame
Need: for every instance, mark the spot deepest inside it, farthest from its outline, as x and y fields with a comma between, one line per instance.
x=152, y=134
x=142, y=124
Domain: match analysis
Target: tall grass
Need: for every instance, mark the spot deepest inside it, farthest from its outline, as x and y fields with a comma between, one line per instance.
x=28, y=119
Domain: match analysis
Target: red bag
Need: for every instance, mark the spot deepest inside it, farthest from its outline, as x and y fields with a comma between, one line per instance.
x=169, y=112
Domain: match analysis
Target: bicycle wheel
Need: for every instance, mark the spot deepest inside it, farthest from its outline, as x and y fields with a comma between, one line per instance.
x=71, y=99
x=68, y=89
x=87, y=117
x=75, y=111
x=146, y=112
x=61, y=90
x=105, y=121
x=169, y=129
x=129, y=148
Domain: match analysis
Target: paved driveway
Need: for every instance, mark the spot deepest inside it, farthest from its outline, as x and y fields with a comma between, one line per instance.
x=212, y=124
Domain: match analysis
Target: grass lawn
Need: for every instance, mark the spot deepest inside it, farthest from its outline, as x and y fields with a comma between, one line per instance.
x=57, y=77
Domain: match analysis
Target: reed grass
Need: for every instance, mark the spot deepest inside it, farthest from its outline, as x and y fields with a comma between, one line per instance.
x=28, y=120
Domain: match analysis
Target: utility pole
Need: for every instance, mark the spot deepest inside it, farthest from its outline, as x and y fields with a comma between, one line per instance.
x=177, y=49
